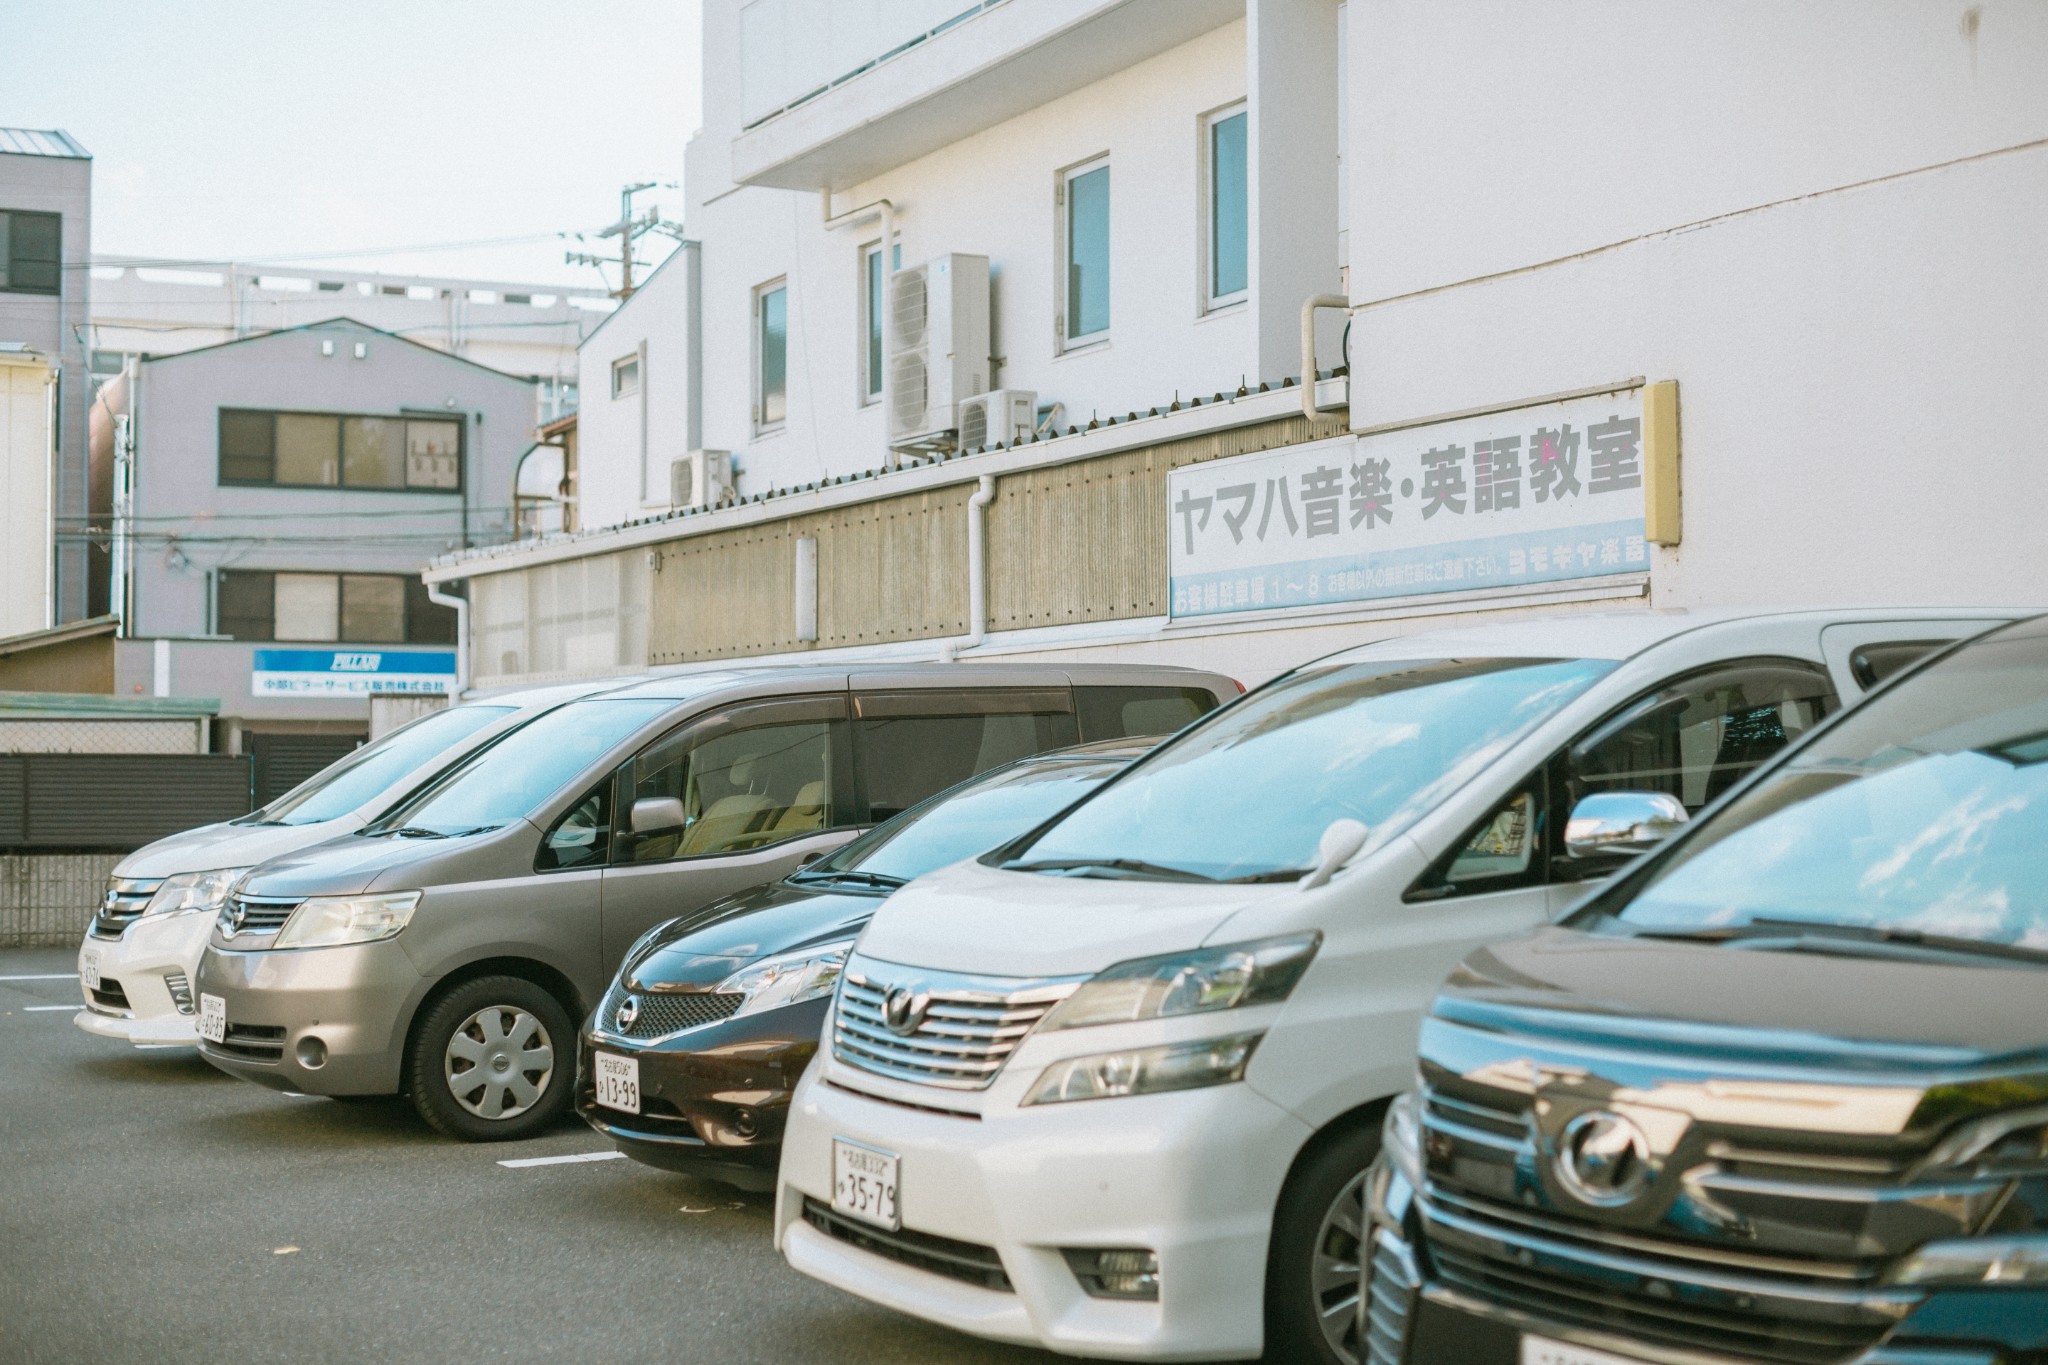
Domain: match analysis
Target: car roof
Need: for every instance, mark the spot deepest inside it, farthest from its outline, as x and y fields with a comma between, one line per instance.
x=551, y=694
x=685, y=686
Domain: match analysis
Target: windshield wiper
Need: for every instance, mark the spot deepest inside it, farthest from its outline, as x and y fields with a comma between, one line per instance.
x=1134, y=867
x=1281, y=874
x=1774, y=929
x=881, y=880
x=411, y=832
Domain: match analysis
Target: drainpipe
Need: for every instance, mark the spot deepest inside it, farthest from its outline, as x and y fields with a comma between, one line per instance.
x=52, y=516
x=887, y=211
x=461, y=605
x=1309, y=307
x=977, y=570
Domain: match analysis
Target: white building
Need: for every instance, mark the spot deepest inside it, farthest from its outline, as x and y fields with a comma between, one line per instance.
x=1795, y=241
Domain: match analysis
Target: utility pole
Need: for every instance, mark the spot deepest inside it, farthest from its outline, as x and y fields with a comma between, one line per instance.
x=628, y=229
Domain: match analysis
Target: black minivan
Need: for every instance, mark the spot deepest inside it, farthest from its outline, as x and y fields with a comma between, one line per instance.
x=1779, y=1094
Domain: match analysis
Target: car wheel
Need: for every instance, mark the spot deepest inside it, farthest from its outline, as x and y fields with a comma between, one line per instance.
x=1318, y=1239
x=493, y=1060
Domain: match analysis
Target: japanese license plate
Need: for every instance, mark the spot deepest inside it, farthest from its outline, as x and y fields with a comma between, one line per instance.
x=213, y=1018
x=89, y=969
x=1543, y=1351
x=864, y=1183
x=618, y=1082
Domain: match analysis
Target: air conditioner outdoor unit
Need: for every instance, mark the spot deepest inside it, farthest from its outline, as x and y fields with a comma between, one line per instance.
x=702, y=478
x=938, y=348
x=997, y=417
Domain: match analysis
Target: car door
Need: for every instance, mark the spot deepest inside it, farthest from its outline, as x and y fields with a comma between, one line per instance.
x=762, y=787
x=913, y=742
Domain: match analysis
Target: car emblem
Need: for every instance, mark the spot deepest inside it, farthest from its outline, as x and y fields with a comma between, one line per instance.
x=629, y=1010
x=1603, y=1159
x=903, y=1009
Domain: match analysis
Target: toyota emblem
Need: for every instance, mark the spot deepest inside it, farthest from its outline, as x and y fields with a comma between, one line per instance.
x=629, y=1010
x=1603, y=1159
x=903, y=1009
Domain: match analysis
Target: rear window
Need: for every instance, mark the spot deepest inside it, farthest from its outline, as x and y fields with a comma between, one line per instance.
x=1117, y=712
x=911, y=745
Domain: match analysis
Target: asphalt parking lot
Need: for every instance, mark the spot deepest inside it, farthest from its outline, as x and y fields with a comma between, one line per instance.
x=152, y=1208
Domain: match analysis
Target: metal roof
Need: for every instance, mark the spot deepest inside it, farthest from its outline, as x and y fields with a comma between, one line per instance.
x=41, y=142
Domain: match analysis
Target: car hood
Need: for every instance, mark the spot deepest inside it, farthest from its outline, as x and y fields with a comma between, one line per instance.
x=701, y=949
x=349, y=864
x=978, y=919
x=1752, y=1009
x=227, y=845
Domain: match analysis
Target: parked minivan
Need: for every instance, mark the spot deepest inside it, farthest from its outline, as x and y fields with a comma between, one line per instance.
x=1113, y=1087
x=142, y=948
x=1778, y=1094
x=447, y=950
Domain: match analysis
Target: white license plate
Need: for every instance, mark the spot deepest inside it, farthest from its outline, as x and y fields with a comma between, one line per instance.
x=89, y=969
x=1543, y=1351
x=864, y=1183
x=618, y=1082
x=213, y=1018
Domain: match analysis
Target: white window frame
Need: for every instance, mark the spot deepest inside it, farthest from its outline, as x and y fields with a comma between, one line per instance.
x=620, y=389
x=1207, y=300
x=1065, y=176
x=870, y=382
x=763, y=427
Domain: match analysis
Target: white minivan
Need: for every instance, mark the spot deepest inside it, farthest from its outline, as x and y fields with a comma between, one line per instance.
x=1113, y=1087
x=142, y=949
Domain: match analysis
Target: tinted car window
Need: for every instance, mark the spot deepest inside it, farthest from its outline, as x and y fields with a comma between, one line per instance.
x=1116, y=712
x=740, y=789
x=583, y=836
x=912, y=746
x=1249, y=792
x=366, y=772
x=1871, y=664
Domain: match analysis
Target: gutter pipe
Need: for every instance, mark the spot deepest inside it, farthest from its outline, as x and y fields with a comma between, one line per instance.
x=1309, y=307
x=887, y=212
x=461, y=606
x=977, y=570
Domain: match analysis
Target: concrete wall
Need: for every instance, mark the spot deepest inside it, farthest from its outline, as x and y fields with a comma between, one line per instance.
x=626, y=443
x=47, y=899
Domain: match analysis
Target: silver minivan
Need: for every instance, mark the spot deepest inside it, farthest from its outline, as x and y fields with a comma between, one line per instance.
x=447, y=950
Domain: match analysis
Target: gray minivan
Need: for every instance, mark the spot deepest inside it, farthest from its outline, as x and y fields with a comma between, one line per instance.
x=447, y=950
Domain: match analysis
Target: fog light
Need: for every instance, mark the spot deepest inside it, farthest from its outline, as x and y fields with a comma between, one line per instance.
x=744, y=1124
x=312, y=1053
x=1115, y=1272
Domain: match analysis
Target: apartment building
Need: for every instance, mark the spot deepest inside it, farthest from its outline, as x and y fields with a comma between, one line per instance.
x=1612, y=306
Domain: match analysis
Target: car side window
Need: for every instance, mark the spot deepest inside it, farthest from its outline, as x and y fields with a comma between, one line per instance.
x=1503, y=851
x=742, y=782
x=910, y=745
x=1119, y=712
x=582, y=837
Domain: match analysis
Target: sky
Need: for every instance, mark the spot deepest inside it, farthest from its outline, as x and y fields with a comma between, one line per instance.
x=335, y=131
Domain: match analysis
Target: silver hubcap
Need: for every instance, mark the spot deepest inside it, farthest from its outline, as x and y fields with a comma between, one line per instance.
x=499, y=1062
x=1333, y=1276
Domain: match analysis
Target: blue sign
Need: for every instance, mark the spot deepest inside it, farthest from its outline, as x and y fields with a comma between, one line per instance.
x=351, y=672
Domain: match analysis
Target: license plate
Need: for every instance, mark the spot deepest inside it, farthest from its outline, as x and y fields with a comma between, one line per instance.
x=213, y=1018
x=864, y=1183
x=89, y=969
x=1543, y=1351
x=618, y=1082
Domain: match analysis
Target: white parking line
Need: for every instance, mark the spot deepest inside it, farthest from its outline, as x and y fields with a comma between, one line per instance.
x=50, y=976
x=152, y=1047
x=559, y=1160
x=38, y=1009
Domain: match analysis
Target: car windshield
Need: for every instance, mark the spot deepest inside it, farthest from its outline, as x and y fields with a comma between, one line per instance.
x=1920, y=816
x=341, y=787
x=1247, y=794
x=968, y=819
x=507, y=781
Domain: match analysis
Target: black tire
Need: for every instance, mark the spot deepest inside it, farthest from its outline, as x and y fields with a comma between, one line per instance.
x=1318, y=1229
x=510, y=1096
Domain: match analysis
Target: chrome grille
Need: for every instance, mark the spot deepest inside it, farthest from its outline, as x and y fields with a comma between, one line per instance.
x=959, y=1031
x=660, y=1013
x=126, y=899
x=1389, y=1299
x=255, y=916
x=180, y=987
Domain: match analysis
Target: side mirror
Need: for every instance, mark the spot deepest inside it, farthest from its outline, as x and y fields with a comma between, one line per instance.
x=1339, y=843
x=1621, y=822
x=657, y=815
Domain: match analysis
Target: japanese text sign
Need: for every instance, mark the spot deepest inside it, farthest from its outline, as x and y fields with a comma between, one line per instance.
x=1530, y=495
x=350, y=673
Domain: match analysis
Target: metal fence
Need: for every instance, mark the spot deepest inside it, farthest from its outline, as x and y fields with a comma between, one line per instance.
x=114, y=803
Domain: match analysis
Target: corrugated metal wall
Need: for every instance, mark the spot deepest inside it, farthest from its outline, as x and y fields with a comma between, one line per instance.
x=116, y=801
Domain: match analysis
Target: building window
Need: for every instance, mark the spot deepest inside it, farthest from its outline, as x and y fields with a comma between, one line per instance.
x=335, y=450
x=1227, y=221
x=771, y=355
x=31, y=252
x=329, y=608
x=626, y=375
x=871, y=317
x=1084, y=241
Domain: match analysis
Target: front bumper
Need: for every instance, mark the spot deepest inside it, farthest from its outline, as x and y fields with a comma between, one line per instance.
x=140, y=973
x=1193, y=1176
x=356, y=1001
x=714, y=1099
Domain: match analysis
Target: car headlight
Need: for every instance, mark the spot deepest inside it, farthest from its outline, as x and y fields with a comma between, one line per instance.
x=190, y=891
x=326, y=921
x=1222, y=978
x=1146, y=1070
x=1977, y=1260
x=788, y=979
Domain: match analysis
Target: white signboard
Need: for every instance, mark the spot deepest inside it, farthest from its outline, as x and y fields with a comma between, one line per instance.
x=1531, y=495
